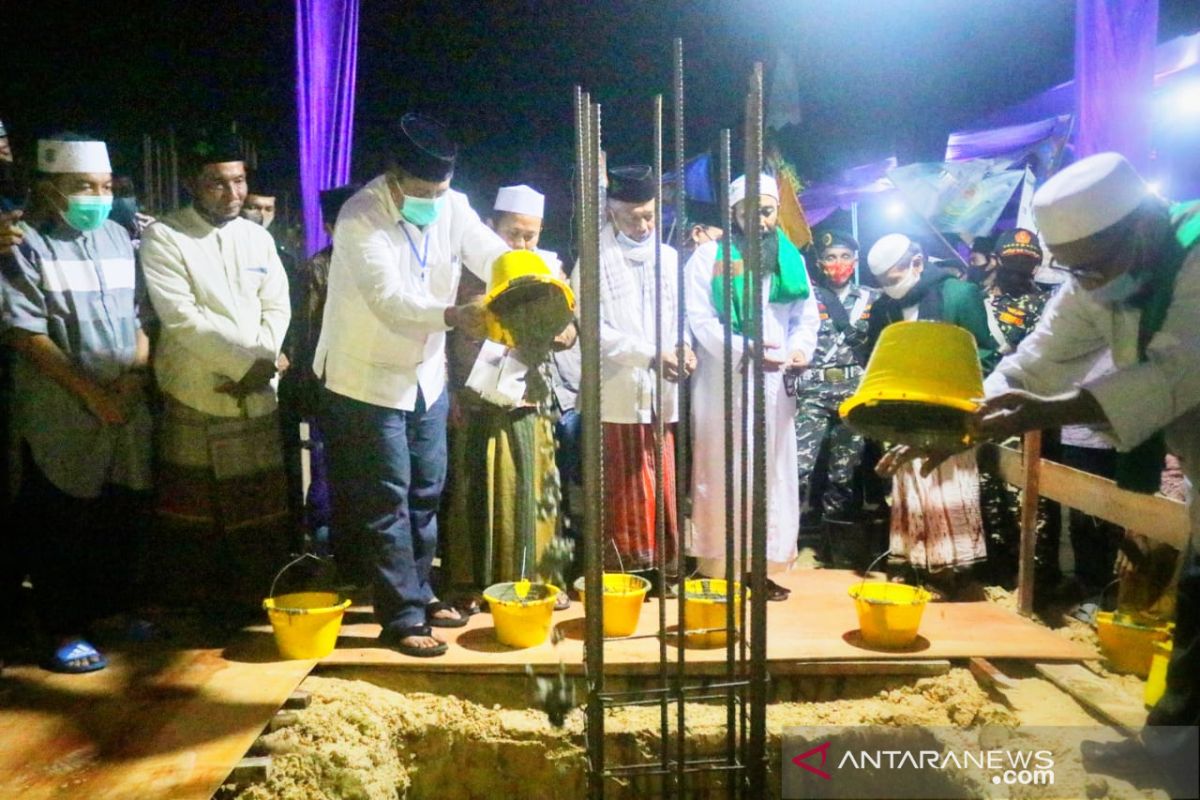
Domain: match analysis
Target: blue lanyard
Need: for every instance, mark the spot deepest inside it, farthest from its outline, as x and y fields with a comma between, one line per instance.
x=422, y=258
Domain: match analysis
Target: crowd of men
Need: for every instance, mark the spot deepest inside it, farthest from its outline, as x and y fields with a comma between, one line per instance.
x=177, y=363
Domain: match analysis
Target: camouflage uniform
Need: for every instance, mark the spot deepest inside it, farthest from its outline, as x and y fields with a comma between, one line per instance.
x=1011, y=318
x=829, y=452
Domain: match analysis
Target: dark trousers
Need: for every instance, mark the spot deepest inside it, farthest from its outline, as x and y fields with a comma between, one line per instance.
x=386, y=470
x=82, y=553
x=1170, y=733
x=1093, y=540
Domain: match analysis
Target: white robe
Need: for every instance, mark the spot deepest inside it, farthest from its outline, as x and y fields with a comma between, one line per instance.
x=787, y=327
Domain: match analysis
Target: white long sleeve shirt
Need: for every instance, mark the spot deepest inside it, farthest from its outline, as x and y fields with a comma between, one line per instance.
x=222, y=296
x=383, y=335
x=1139, y=398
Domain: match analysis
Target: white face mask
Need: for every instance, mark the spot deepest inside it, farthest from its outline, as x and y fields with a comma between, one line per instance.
x=629, y=241
x=902, y=287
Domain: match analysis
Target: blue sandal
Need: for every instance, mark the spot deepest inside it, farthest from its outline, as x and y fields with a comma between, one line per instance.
x=75, y=650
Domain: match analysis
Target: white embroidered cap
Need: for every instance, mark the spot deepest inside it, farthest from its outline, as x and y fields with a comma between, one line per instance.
x=766, y=185
x=72, y=157
x=1087, y=197
x=886, y=252
x=520, y=200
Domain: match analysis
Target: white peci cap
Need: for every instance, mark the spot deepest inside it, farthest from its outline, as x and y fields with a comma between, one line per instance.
x=520, y=200
x=766, y=185
x=72, y=157
x=886, y=252
x=1087, y=197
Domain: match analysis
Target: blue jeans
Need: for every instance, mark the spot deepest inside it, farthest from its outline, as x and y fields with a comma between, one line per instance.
x=386, y=470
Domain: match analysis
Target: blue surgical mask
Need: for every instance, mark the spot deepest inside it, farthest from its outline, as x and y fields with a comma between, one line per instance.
x=629, y=241
x=1119, y=289
x=422, y=211
x=87, y=212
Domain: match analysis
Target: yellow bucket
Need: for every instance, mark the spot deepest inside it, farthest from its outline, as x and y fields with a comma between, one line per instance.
x=889, y=613
x=521, y=621
x=920, y=386
x=306, y=624
x=1127, y=644
x=1156, y=683
x=527, y=305
x=705, y=608
x=624, y=596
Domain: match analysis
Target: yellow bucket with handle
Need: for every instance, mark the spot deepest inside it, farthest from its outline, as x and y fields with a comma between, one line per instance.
x=889, y=614
x=305, y=624
x=624, y=596
x=922, y=383
x=527, y=304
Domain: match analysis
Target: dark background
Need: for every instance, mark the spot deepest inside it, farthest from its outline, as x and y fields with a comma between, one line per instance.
x=878, y=77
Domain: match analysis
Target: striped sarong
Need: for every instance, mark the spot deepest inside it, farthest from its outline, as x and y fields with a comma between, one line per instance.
x=629, y=513
x=936, y=521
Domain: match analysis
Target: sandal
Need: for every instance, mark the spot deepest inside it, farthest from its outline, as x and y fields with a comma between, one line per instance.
x=75, y=650
x=562, y=602
x=777, y=593
x=394, y=638
x=444, y=622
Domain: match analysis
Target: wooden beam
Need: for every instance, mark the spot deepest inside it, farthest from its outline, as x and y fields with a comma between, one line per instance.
x=251, y=769
x=1155, y=516
x=1029, y=517
x=989, y=674
x=1096, y=693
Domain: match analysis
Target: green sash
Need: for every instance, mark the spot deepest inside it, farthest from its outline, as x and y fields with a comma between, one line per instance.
x=1140, y=470
x=789, y=279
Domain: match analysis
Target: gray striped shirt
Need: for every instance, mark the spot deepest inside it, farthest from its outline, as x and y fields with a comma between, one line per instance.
x=81, y=290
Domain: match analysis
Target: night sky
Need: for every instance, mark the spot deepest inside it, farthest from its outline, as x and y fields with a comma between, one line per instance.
x=878, y=77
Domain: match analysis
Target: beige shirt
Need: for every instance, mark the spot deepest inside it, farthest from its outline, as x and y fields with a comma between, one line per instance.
x=222, y=296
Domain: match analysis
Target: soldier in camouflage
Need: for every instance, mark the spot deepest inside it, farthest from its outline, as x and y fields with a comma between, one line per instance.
x=829, y=452
x=1014, y=305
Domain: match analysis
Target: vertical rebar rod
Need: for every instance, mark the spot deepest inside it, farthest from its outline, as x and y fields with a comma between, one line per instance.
x=657, y=409
x=732, y=740
x=586, y=149
x=757, y=755
x=684, y=395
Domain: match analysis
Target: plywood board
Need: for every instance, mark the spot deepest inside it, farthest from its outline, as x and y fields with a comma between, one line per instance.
x=156, y=723
x=817, y=623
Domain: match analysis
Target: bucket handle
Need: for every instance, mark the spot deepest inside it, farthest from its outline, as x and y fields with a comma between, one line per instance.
x=291, y=564
x=881, y=557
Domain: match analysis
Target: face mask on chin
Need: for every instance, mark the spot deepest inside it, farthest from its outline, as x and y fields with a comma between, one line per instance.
x=1120, y=289
x=898, y=290
x=630, y=242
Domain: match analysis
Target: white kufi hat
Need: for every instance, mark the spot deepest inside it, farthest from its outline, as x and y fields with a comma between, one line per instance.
x=766, y=185
x=520, y=200
x=886, y=252
x=72, y=157
x=1087, y=197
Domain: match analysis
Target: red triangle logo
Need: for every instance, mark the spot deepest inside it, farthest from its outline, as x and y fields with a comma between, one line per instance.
x=801, y=760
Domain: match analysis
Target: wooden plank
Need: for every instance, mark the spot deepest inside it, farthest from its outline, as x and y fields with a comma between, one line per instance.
x=251, y=769
x=1026, y=562
x=921, y=668
x=989, y=675
x=1096, y=694
x=157, y=723
x=1155, y=516
x=818, y=623
x=298, y=700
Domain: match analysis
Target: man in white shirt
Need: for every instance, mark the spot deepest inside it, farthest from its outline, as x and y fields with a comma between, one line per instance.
x=1134, y=294
x=221, y=296
x=629, y=360
x=400, y=246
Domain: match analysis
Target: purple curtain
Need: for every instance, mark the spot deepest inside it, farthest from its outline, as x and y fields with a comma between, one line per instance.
x=1114, y=76
x=326, y=62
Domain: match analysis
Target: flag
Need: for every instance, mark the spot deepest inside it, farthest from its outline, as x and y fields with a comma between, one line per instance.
x=791, y=213
x=783, y=101
x=957, y=197
x=1025, y=207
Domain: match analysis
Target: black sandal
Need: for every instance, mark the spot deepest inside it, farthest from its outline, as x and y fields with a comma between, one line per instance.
x=777, y=593
x=393, y=638
x=442, y=622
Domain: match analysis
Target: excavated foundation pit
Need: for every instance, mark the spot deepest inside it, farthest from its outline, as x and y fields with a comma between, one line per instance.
x=372, y=734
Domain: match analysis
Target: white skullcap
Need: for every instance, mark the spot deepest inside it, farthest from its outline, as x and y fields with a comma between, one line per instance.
x=520, y=200
x=72, y=157
x=766, y=185
x=886, y=252
x=1087, y=197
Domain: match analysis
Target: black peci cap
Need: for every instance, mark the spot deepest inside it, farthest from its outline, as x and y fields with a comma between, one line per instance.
x=422, y=147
